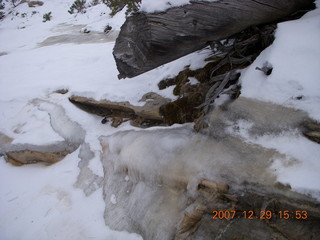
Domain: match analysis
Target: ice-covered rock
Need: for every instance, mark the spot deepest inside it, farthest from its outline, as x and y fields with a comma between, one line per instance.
x=178, y=177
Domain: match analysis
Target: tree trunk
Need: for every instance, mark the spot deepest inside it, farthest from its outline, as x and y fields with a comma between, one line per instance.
x=148, y=40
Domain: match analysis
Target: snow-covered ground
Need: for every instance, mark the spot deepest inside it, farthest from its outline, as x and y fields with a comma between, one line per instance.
x=42, y=202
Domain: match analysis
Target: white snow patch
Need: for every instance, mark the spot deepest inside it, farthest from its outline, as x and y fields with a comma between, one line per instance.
x=26, y=124
x=113, y=199
x=193, y=81
x=127, y=178
x=163, y=5
x=295, y=57
x=39, y=202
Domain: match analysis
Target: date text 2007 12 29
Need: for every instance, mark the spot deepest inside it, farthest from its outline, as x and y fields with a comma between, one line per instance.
x=226, y=214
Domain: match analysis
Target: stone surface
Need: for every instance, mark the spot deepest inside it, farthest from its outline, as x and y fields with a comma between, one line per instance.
x=312, y=130
x=20, y=154
x=22, y=157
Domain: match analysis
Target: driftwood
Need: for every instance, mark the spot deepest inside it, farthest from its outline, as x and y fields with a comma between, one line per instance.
x=140, y=116
x=148, y=40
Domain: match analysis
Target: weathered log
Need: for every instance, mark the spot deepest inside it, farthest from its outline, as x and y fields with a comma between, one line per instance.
x=142, y=116
x=148, y=40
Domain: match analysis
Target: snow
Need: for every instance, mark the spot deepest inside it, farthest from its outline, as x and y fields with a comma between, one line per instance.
x=193, y=81
x=38, y=202
x=41, y=202
x=163, y=5
x=295, y=57
x=300, y=167
x=113, y=199
x=159, y=6
x=294, y=82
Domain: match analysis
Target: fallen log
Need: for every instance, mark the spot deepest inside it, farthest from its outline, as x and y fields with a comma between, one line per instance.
x=142, y=116
x=148, y=40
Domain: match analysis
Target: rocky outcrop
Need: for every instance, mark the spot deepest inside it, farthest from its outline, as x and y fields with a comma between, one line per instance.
x=148, y=40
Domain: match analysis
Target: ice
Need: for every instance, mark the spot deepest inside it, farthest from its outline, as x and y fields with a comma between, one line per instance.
x=69, y=130
x=252, y=144
x=165, y=167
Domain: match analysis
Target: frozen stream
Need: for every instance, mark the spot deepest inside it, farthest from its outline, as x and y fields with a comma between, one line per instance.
x=154, y=175
x=74, y=34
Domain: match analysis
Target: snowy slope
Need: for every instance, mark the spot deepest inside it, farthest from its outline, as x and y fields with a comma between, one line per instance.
x=42, y=202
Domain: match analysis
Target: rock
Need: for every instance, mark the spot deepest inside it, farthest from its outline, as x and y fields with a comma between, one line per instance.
x=117, y=121
x=61, y=91
x=107, y=29
x=146, y=115
x=266, y=69
x=20, y=154
x=33, y=4
x=148, y=40
x=22, y=157
x=311, y=130
x=313, y=136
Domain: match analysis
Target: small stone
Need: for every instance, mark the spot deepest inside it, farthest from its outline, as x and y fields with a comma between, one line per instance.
x=116, y=121
x=266, y=69
x=313, y=136
x=104, y=120
x=33, y=4
x=62, y=91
